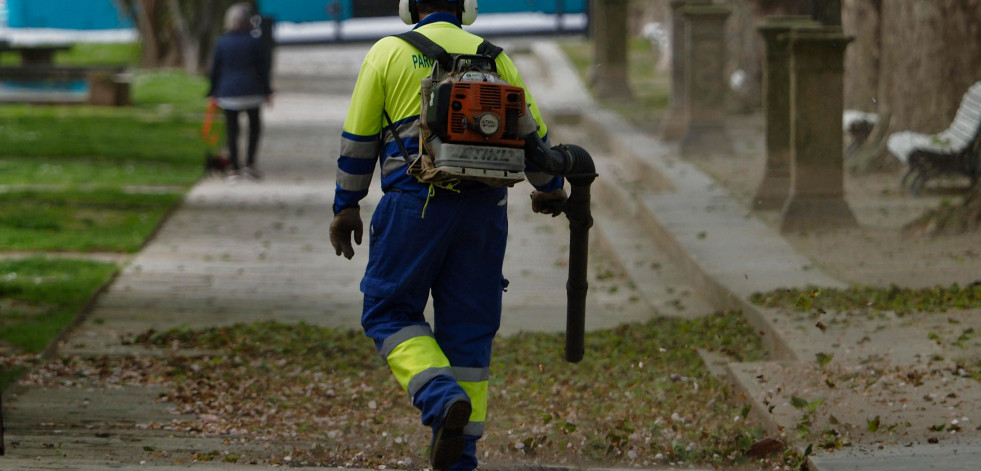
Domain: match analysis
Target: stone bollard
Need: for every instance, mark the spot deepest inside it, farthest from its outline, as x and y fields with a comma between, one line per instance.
x=675, y=122
x=705, y=83
x=609, y=73
x=774, y=189
x=109, y=88
x=817, y=198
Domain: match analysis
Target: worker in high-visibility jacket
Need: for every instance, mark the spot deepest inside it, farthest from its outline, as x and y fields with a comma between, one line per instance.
x=427, y=240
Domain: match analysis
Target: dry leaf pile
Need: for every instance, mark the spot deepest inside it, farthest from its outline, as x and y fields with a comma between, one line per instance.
x=641, y=397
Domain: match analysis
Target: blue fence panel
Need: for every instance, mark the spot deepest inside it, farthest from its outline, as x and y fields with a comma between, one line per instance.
x=103, y=14
x=297, y=11
x=544, y=6
x=62, y=14
x=320, y=10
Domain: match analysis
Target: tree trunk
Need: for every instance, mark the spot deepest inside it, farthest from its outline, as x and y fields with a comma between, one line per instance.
x=177, y=33
x=201, y=25
x=185, y=41
x=609, y=70
x=862, y=19
x=206, y=30
x=929, y=58
x=156, y=32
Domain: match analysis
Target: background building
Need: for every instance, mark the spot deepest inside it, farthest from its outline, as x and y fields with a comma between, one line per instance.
x=63, y=14
x=329, y=10
x=105, y=14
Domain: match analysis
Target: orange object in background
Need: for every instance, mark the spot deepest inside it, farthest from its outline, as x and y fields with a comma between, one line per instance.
x=208, y=133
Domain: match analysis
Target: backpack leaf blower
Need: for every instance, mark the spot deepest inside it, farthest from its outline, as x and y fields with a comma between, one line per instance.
x=474, y=125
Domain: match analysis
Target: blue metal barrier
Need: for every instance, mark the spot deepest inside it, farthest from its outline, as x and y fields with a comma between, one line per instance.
x=103, y=14
x=65, y=14
x=329, y=10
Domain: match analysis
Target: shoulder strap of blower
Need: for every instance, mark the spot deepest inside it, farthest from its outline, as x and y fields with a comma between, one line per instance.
x=429, y=48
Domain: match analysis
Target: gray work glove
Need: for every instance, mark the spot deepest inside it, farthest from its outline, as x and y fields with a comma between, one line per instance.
x=345, y=222
x=549, y=202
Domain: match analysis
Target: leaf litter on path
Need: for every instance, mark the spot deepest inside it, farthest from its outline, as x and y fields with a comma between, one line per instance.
x=642, y=396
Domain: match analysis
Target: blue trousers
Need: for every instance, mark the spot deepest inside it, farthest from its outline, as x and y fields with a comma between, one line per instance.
x=451, y=248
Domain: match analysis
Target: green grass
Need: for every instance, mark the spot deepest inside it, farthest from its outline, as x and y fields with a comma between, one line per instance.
x=77, y=178
x=83, y=145
x=172, y=89
x=95, y=171
x=871, y=299
x=155, y=142
x=67, y=168
x=80, y=220
x=100, y=54
x=42, y=296
x=108, y=133
x=88, y=54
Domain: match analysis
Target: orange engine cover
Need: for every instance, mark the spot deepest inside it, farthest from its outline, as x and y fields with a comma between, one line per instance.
x=477, y=112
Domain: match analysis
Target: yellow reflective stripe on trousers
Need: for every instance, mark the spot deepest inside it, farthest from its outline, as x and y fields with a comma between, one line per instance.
x=414, y=356
x=478, y=399
x=406, y=333
x=474, y=382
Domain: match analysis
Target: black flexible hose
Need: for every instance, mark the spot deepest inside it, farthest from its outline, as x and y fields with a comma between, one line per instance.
x=577, y=166
x=565, y=160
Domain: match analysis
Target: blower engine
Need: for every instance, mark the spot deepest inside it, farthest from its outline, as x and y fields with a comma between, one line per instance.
x=473, y=119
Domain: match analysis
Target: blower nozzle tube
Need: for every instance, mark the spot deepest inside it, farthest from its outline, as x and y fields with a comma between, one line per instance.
x=575, y=165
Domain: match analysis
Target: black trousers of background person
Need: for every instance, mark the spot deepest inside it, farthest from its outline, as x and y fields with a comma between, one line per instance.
x=232, y=129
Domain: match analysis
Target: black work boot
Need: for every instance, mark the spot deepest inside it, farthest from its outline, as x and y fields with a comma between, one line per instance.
x=448, y=441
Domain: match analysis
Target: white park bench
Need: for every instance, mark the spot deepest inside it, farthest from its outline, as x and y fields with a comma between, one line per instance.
x=858, y=125
x=956, y=150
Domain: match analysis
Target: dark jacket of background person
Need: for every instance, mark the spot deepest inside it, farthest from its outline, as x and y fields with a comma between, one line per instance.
x=240, y=67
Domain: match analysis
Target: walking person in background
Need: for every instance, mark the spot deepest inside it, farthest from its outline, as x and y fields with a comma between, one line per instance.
x=240, y=82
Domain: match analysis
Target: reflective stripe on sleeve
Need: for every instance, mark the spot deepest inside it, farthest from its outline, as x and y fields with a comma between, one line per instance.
x=408, y=132
x=353, y=182
x=392, y=165
x=359, y=147
x=407, y=129
x=356, y=164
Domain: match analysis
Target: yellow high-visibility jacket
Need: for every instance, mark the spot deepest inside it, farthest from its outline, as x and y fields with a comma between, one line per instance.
x=389, y=81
